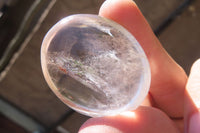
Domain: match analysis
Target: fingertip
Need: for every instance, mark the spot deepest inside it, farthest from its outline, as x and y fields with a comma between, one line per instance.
x=127, y=14
x=110, y=124
x=114, y=7
x=99, y=129
x=192, y=100
x=193, y=84
x=124, y=12
x=195, y=70
x=152, y=119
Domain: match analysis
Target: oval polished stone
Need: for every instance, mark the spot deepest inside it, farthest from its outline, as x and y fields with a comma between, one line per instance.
x=94, y=65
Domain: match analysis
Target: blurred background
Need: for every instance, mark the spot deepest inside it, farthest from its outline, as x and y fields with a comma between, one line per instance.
x=27, y=105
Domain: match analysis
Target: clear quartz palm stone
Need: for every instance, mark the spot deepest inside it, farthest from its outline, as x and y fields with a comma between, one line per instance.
x=94, y=65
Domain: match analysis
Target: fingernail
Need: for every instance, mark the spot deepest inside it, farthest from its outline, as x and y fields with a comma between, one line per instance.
x=194, y=123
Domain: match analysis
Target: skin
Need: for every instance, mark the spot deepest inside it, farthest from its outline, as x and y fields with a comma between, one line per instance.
x=162, y=110
x=192, y=100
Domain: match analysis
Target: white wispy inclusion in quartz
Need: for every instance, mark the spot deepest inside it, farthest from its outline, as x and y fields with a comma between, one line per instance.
x=96, y=65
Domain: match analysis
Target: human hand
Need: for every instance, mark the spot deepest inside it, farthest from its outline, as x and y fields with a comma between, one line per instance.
x=163, y=110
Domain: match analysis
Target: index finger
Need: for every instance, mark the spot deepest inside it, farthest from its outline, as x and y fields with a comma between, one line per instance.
x=168, y=78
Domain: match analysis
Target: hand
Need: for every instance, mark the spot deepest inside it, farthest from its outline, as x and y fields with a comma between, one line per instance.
x=163, y=110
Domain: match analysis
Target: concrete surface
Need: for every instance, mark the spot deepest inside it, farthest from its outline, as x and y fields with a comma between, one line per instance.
x=181, y=38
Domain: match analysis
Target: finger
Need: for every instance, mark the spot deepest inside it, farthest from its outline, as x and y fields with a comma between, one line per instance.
x=143, y=120
x=192, y=100
x=147, y=101
x=179, y=124
x=168, y=78
x=193, y=85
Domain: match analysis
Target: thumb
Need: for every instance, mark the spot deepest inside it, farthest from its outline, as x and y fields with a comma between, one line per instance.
x=192, y=100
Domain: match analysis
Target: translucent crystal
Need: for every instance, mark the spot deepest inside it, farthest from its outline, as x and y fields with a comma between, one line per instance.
x=94, y=65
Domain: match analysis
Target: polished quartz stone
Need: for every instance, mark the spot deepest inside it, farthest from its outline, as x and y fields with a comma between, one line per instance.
x=94, y=65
